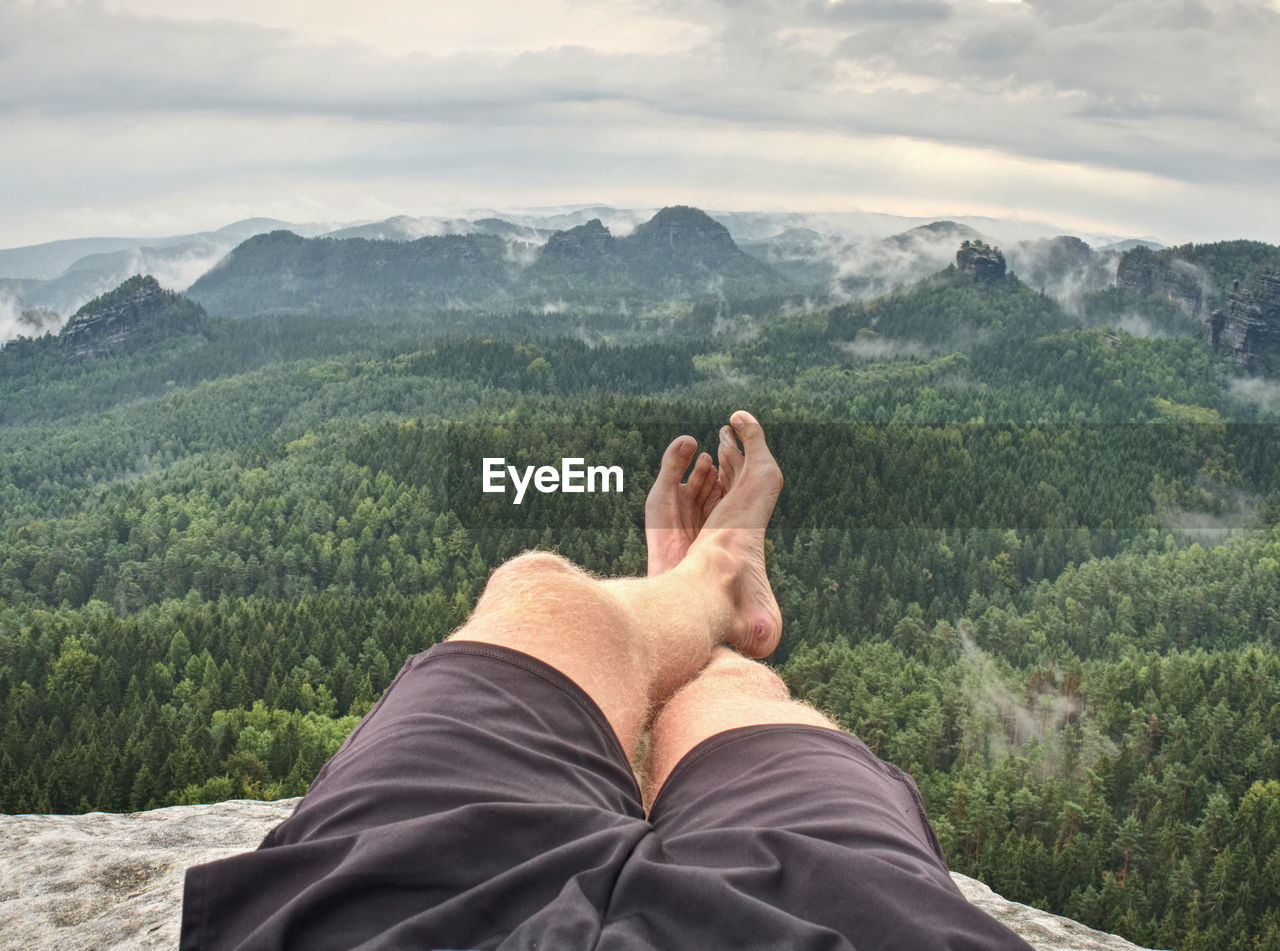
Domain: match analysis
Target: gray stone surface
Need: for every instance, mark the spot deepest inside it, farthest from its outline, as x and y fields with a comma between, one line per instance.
x=1180, y=282
x=588, y=242
x=1039, y=928
x=114, y=882
x=980, y=262
x=1247, y=325
x=98, y=327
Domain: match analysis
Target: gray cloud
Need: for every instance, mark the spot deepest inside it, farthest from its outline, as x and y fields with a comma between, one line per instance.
x=1180, y=90
x=882, y=10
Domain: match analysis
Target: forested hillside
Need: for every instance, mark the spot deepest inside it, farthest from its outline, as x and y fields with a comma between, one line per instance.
x=1026, y=555
x=681, y=253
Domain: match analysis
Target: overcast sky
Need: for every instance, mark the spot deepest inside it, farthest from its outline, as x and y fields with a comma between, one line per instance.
x=155, y=117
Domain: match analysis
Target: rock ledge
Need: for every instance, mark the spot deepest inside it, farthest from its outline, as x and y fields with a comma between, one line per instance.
x=114, y=882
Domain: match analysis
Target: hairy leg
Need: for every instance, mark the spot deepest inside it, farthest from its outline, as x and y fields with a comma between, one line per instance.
x=730, y=692
x=631, y=643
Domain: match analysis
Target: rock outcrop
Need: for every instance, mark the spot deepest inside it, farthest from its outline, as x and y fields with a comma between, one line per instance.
x=114, y=882
x=980, y=261
x=1247, y=325
x=1143, y=272
x=589, y=242
x=583, y=261
x=137, y=308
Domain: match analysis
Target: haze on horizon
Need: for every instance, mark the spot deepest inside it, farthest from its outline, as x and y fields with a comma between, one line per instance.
x=1126, y=117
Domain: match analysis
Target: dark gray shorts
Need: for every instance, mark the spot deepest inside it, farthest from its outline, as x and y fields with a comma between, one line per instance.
x=485, y=802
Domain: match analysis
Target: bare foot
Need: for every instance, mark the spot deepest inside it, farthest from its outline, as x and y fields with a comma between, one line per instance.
x=675, y=511
x=736, y=526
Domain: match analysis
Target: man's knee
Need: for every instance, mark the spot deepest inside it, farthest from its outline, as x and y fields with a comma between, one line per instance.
x=732, y=674
x=540, y=589
x=730, y=692
x=533, y=568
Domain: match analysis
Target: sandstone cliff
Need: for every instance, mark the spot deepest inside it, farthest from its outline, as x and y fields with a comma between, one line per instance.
x=1247, y=325
x=582, y=260
x=587, y=242
x=115, y=881
x=138, y=309
x=1141, y=271
x=981, y=262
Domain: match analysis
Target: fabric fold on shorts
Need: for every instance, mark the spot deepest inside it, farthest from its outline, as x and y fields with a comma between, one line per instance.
x=485, y=802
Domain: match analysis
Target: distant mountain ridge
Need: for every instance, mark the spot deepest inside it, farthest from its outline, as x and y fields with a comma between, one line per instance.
x=679, y=253
x=281, y=271
x=828, y=257
x=682, y=251
x=63, y=275
x=49, y=260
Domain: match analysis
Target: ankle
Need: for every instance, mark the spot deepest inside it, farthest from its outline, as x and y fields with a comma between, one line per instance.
x=712, y=565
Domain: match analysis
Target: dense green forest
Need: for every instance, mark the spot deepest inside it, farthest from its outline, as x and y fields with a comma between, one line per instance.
x=1029, y=557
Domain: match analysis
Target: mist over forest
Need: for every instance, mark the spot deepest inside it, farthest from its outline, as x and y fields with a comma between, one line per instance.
x=1028, y=548
x=824, y=257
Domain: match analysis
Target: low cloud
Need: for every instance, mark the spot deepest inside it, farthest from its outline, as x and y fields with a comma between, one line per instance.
x=1065, y=268
x=732, y=377
x=881, y=348
x=1219, y=514
x=1136, y=325
x=176, y=271
x=1004, y=719
x=50, y=303
x=9, y=314
x=1259, y=392
x=18, y=322
x=822, y=250
x=874, y=268
x=521, y=253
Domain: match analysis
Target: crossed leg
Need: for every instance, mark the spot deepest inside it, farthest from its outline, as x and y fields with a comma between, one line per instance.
x=477, y=804
x=730, y=692
x=639, y=646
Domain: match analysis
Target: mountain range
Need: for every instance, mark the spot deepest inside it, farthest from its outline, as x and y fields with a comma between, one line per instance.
x=854, y=255
x=680, y=257
x=680, y=252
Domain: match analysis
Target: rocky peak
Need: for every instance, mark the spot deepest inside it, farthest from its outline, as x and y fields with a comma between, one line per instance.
x=980, y=261
x=684, y=252
x=115, y=881
x=1247, y=325
x=682, y=230
x=1137, y=271
x=108, y=321
x=584, y=243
